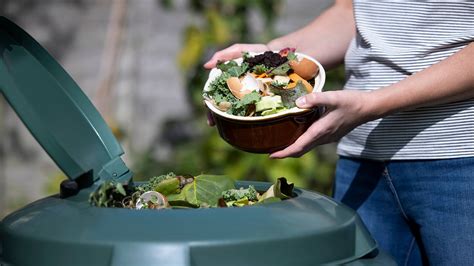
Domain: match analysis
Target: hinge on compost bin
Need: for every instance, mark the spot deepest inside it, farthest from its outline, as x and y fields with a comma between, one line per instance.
x=69, y=188
x=115, y=170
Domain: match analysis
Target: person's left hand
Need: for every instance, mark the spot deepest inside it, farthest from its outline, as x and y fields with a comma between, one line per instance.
x=345, y=110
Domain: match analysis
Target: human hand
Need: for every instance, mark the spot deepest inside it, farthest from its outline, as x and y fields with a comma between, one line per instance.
x=345, y=110
x=234, y=51
x=210, y=119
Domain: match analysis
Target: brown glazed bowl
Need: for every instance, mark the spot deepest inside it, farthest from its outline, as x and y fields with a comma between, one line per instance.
x=265, y=134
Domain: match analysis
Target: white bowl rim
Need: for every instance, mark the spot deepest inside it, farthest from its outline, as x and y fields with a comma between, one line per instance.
x=320, y=79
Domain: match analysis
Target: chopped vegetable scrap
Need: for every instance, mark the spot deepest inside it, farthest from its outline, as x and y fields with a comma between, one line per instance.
x=185, y=191
x=263, y=84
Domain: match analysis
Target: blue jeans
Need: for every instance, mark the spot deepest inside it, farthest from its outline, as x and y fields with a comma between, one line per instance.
x=419, y=211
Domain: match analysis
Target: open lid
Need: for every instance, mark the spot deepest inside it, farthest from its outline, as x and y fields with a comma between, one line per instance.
x=55, y=110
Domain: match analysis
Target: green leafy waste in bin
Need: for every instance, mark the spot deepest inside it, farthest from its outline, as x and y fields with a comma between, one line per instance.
x=186, y=191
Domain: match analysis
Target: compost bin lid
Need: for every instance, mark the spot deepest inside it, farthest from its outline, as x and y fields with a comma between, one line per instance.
x=55, y=110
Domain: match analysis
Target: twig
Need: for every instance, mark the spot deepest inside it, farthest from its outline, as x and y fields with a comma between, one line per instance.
x=110, y=56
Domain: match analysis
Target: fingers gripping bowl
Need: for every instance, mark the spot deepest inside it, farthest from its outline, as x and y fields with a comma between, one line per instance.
x=267, y=131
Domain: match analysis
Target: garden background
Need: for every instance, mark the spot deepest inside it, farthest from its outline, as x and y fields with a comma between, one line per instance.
x=140, y=62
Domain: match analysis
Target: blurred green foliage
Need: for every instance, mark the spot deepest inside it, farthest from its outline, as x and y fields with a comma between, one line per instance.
x=223, y=23
x=210, y=154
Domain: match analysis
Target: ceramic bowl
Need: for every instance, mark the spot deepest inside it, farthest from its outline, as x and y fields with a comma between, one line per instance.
x=265, y=134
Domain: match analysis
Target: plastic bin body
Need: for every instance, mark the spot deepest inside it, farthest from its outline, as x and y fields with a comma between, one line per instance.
x=309, y=229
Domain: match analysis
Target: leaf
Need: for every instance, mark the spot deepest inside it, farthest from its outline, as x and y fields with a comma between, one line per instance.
x=232, y=68
x=110, y=194
x=236, y=194
x=154, y=181
x=270, y=193
x=289, y=96
x=179, y=201
x=238, y=71
x=219, y=91
x=291, y=56
x=241, y=202
x=281, y=189
x=182, y=204
x=120, y=189
x=176, y=197
x=250, y=98
x=226, y=66
x=268, y=200
x=240, y=107
x=281, y=69
x=260, y=69
x=205, y=190
x=168, y=186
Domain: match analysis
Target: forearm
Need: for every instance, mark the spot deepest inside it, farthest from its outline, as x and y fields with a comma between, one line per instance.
x=326, y=38
x=447, y=81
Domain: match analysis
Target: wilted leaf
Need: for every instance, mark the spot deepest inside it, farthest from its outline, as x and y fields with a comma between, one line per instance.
x=281, y=189
x=206, y=189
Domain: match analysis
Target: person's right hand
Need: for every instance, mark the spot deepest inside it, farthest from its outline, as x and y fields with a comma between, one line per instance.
x=231, y=52
x=234, y=51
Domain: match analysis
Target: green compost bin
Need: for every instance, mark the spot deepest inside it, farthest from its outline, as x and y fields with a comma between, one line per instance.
x=309, y=229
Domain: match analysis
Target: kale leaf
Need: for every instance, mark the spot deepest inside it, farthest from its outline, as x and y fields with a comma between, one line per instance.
x=236, y=194
x=240, y=107
x=260, y=69
x=219, y=91
x=232, y=68
x=154, y=181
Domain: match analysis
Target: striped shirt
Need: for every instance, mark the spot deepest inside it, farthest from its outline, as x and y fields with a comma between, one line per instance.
x=394, y=40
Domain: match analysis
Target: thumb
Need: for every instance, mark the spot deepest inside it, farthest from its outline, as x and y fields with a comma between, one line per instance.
x=314, y=99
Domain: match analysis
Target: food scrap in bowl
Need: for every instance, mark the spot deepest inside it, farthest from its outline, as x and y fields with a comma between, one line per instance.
x=262, y=84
